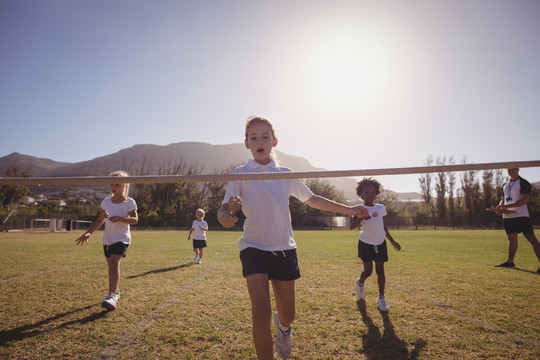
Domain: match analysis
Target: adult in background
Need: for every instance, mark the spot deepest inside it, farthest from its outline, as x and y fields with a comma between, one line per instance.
x=516, y=194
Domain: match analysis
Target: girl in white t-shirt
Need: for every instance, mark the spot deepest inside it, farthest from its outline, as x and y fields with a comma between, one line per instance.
x=118, y=212
x=372, y=243
x=267, y=247
x=199, y=229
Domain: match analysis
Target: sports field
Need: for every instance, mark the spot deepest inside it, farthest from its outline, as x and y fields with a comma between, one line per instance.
x=446, y=299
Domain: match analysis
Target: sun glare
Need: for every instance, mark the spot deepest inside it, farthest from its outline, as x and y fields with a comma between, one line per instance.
x=351, y=68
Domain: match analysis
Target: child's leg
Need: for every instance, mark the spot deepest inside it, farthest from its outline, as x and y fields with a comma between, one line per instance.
x=368, y=269
x=261, y=313
x=285, y=301
x=381, y=278
x=195, y=250
x=200, y=252
x=114, y=272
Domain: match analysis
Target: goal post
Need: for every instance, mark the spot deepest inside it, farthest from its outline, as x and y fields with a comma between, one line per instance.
x=42, y=225
x=56, y=225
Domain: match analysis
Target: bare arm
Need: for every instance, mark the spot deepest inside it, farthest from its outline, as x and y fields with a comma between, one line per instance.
x=524, y=200
x=394, y=243
x=132, y=218
x=324, y=204
x=95, y=225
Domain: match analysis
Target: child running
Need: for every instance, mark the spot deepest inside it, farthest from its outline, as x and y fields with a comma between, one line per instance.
x=267, y=247
x=372, y=243
x=199, y=228
x=118, y=212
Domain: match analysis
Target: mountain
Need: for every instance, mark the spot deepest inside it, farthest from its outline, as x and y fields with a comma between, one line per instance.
x=29, y=164
x=148, y=159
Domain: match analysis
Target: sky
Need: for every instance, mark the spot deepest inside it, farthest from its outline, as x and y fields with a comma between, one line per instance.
x=348, y=84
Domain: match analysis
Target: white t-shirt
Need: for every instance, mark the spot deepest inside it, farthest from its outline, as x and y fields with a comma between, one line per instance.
x=512, y=192
x=266, y=206
x=373, y=229
x=198, y=233
x=117, y=231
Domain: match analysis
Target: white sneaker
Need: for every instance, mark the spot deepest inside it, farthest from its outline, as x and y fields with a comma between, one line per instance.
x=109, y=302
x=381, y=303
x=196, y=258
x=283, y=339
x=117, y=295
x=199, y=261
x=360, y=290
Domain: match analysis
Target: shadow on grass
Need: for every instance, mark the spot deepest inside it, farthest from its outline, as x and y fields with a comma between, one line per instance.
x=525, y=270
x=387, y=345
x=26, y=331
x=157, y=271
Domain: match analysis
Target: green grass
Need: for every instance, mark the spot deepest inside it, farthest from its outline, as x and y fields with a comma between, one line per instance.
x=447, y=300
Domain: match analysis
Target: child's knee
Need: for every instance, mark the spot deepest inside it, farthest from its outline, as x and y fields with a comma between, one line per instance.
x=367, y=272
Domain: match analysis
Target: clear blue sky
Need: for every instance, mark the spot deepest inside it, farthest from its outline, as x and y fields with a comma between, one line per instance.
x=348, y=84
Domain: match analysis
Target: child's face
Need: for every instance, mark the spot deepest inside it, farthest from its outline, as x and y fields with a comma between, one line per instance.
x=368, y=194
x=199, y=215
x=117, y=189
x=260, y=142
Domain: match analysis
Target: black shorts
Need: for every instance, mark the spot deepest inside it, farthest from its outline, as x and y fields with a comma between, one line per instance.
x=518, y=225
x=199, y=244
x=118, y=248
x=279, y=265
x=369, y=252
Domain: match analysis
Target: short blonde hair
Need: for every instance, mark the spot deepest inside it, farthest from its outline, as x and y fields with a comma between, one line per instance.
x=122, y=173
x=201, y=211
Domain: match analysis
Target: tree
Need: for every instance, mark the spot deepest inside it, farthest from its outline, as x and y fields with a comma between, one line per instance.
x=425, y=187
x=440, y=189
x=451, y=193
x=471, y=194
x=11, y=194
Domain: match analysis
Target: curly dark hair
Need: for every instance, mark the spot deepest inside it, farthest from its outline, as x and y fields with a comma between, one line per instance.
x=368, y=182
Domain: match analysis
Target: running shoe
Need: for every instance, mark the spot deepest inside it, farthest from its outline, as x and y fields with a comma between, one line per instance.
x=117, y=295
x=360, y=290
x=381, y=303
x=506, y=264
x=199, y=261
x=283, y=339
x=109, y=302
x=196, y=258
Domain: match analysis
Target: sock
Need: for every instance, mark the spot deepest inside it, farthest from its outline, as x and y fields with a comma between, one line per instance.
x=282, y=328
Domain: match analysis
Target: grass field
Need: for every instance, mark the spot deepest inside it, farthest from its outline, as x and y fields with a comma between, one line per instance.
x=446, y=299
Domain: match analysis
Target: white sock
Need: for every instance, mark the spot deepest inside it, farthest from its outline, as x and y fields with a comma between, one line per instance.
x=282, y=328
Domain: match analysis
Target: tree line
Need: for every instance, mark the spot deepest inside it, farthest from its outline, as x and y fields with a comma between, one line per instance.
x=446, y=203
x=450, y=199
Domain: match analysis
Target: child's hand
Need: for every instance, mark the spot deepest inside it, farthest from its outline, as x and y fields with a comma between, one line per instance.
x=361, y=212
x=396, y=245
x=115, y=218
x=226, y=217
x=83, y=239
x=235, y=204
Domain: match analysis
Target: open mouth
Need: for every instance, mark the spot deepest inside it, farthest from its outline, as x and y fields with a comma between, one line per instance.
x=260, y=150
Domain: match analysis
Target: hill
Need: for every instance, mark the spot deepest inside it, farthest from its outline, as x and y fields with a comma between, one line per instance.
x=149, y=159
x=26, y=163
